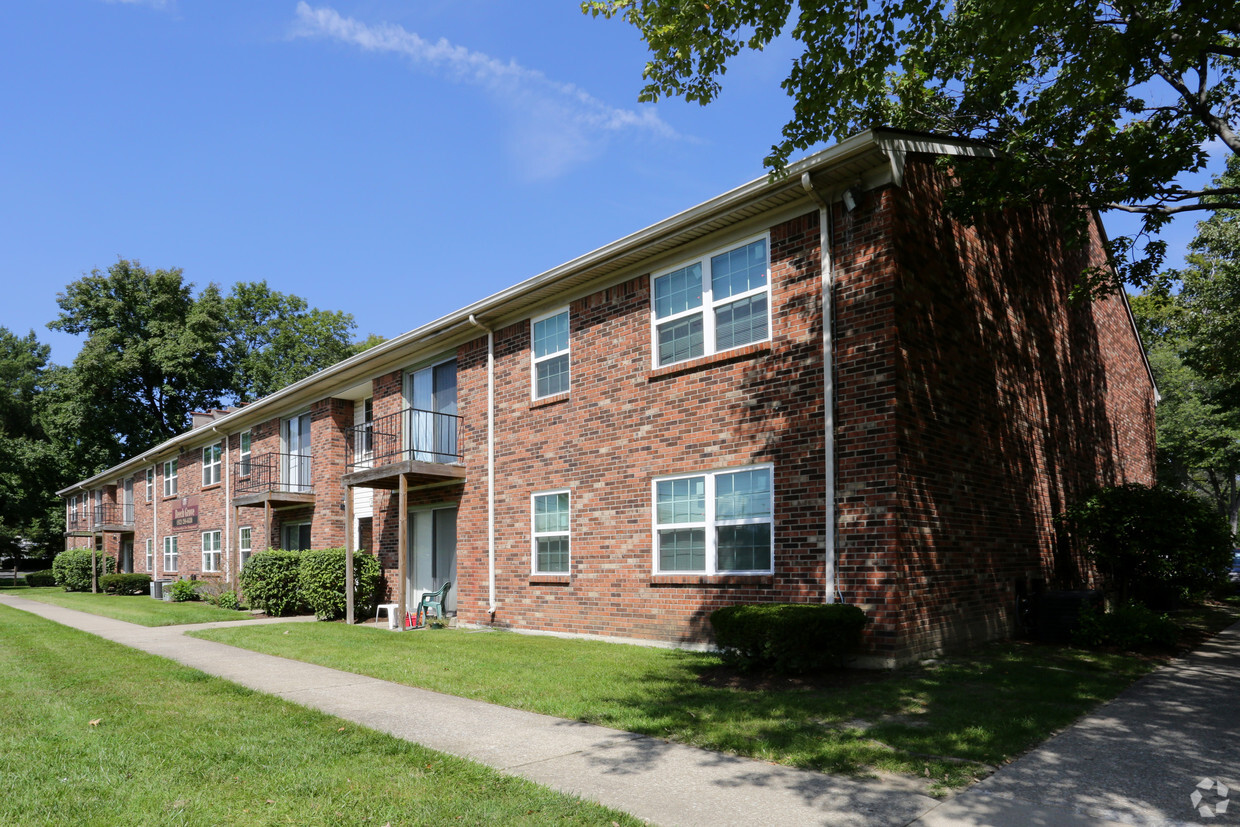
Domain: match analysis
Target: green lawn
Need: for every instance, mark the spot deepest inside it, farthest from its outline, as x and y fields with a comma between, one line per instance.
x=94, y=733
x=944, y=721
x=140, y=609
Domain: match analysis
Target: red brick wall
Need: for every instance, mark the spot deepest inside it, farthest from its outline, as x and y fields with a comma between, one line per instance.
x=621, y=425
x=975, y=402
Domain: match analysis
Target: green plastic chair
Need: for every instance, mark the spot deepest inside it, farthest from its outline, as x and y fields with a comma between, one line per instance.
x=434, y=600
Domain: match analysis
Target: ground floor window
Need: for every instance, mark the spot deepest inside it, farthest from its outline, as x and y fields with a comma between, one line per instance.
x=211, y=551
x=295, y=536
x=551, y=529
x=150, y=555
x=245, y=544
x=717, y=522
x=170, y=554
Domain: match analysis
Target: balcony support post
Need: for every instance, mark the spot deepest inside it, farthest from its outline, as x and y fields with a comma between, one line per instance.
x=348, y=556
x=402, y=551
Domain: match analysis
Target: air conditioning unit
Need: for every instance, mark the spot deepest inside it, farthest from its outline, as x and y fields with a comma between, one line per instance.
x=157, y=589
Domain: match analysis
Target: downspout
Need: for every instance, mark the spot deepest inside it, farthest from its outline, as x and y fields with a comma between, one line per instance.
x=828, y=386
x=228, y=548
x=490, y=464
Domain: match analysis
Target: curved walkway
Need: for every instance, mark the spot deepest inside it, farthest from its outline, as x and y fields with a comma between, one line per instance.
x=665, y=783
x=1136, y=760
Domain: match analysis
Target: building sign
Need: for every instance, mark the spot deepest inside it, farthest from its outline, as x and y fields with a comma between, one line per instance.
x=185, y=513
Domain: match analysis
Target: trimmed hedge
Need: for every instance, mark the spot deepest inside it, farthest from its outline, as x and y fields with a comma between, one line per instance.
x=270, y=582
x=71, y=568
x=792, y=638
x=321, y=582
x=41, y=578
x=125, y=583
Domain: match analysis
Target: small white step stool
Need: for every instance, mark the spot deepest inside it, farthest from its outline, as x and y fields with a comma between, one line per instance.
x=390, y=608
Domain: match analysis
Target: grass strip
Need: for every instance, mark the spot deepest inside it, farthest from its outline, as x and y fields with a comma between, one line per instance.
x=95, y=733
x=140, y=609
x=946, y=721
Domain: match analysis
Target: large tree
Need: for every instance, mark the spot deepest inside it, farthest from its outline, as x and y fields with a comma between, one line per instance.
x=1191, y=337
x=153, y=354
x=1103, y=104
x=31, y=467
x=275, y=339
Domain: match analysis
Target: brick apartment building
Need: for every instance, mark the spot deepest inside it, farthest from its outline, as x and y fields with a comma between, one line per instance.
x=819, y=388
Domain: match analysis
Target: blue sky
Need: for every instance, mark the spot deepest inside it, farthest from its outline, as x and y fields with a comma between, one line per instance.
x=394, y=160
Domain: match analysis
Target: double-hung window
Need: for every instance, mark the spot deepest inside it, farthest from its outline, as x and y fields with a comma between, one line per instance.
x=551, y=529
x=150, y=555
x=244, y=464
x=170, y=554
x=73, y=509
x=170, y=478
x=245, y=544
x=549, y=345
x=211, y=462
x=211, y=551
x=713, y=304
x=714, y=523
x=150, y=483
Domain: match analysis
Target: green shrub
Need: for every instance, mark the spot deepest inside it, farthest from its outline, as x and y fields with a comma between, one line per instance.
x=182, y=591
x=125, y=583
x=321, y=582
x=1128, y=626
x=270, y=582
x=787, y=637
x=41, y=578
x=1152, y=544
x=228, y=600
x=71, y=568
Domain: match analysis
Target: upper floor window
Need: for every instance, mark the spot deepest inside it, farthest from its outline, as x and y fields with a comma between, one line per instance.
x=713, y=304
x=211, y=463
x=549, y=345
x=551, y=528
x=245, y=454
x=150, y=483
x=170, y=478
x=713, y=523
x=73, y=508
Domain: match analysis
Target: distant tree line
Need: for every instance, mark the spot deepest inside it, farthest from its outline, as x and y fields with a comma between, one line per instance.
x=154, y=351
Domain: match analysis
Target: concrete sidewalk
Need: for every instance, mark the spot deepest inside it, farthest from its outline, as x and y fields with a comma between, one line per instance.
x=1136, y=760
x=667, y=784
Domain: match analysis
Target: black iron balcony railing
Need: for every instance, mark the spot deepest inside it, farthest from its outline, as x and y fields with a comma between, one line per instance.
x=411, y=434
x=114, y=514
x=287, y=473
x=81, y=521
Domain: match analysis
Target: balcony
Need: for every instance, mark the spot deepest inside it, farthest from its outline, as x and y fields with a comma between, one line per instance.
x=83, y=522
x=275, y=479
x=114, y=517
x=421, y=446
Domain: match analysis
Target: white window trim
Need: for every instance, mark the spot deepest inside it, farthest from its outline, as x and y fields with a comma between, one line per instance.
x=535, y=361
x=170, y=480
x=536, y=535
x=245, y=545
x=171, y=554
x=211, y=468
x=709, y=305
x=150, y=556
x=245, y=452
x=150, y=483
x=709, y=523
x=73, y=508
x=212, y=554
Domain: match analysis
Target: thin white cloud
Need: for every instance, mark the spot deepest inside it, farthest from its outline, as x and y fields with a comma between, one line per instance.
x=555, y=125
